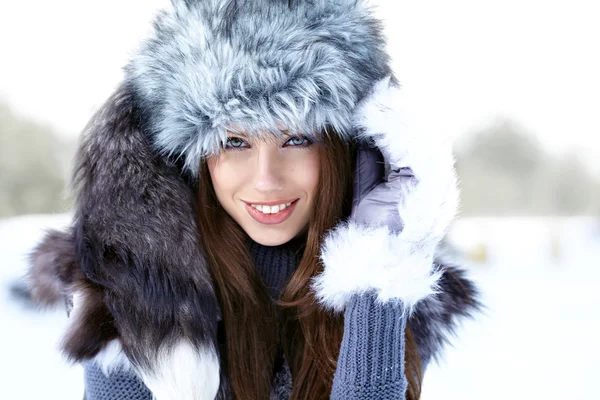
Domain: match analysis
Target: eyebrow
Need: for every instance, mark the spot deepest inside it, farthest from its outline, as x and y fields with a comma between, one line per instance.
x=241, y=134
x=245, y=135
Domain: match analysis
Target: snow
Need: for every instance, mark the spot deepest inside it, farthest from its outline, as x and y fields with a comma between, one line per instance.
x=31, y=366
x=537, y=338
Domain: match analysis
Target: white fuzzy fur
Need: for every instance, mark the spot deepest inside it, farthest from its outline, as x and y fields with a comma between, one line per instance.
x=179, y=373
x=433, y=202
x=112, y=358
x=360, y=258
x=183, y=373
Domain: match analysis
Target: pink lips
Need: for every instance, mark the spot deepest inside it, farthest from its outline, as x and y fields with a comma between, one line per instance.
x=271, y=219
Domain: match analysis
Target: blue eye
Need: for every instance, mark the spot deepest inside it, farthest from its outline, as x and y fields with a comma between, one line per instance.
x=302, y=141
x=234, y=143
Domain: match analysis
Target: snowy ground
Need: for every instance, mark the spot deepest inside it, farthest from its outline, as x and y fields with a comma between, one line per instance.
x=537, y=341
x=31, y=366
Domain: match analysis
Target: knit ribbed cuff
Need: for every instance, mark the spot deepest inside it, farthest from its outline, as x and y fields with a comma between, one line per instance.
x=371, y=359
x=116, y=386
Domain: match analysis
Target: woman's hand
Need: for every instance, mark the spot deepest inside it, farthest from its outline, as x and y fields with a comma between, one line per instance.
x=399, y=215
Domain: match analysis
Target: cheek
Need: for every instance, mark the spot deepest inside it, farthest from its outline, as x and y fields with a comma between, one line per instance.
x=307, y=175
x=222, y=177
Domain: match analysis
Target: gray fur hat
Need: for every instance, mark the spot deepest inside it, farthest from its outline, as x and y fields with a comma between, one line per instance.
x=211, y=65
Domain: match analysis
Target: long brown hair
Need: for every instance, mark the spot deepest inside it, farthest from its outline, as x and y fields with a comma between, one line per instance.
x=310, y=336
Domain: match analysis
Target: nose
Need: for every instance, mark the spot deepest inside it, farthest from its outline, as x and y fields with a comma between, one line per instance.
x=268, y=170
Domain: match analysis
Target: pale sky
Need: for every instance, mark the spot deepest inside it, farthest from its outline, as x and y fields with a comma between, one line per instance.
x=462, y=62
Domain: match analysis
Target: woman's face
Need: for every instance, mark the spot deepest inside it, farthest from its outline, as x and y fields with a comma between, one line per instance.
x=255, y=181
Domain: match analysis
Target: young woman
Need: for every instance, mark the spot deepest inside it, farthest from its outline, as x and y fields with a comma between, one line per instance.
x=255, y=219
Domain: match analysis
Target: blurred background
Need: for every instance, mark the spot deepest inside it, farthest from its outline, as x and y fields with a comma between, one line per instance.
x=515, y=83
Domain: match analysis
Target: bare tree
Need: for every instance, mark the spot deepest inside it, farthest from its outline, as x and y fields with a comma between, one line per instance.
x=503, y=170
x=33, y=166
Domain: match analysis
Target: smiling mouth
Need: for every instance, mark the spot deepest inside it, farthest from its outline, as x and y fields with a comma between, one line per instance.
x=274, y=215
x=270, y=203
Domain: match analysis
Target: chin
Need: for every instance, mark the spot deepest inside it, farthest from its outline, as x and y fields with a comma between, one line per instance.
x=271, y=238
x=273, y=235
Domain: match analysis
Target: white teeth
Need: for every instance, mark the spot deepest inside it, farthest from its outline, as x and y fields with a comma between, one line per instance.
x=271, y=209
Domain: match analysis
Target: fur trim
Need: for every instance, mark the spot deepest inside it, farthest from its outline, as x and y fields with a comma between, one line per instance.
x=52, y=268
x=180, y=373
x=359, y=258
x=214, y=64
x=129, y=288
x=184, y=373
x=112, y=359
x=91, y=334
x=432, y=203
x=394, y=265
